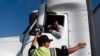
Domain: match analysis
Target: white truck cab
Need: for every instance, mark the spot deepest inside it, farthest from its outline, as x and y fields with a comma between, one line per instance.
x=75, y=17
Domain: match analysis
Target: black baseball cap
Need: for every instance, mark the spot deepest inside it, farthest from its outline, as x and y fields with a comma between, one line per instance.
x=43, y=38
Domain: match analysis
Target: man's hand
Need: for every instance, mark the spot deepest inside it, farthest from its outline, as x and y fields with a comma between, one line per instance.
x=50, y=30
x=81, y=45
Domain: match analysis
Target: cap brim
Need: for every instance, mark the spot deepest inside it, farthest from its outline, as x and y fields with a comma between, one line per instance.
x=50, y=40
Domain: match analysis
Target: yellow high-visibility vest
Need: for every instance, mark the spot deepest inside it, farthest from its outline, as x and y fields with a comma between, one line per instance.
x=43, y=51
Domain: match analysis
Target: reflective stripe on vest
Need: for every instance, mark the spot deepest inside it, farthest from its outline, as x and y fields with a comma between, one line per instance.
x=30, y=53
x=53, y=52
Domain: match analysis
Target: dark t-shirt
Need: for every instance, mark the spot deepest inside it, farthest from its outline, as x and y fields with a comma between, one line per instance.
x=60, y=52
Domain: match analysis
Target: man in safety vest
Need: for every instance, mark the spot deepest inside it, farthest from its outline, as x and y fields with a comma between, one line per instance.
x=44, y=50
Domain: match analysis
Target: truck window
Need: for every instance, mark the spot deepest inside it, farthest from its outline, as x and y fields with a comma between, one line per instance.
x=54, y=25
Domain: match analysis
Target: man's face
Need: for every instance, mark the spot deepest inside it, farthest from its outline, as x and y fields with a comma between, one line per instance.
x=55, y=24
x=47, y=44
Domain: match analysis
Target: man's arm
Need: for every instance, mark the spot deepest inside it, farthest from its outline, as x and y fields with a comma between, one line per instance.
x=33, y=45
x=79, y=46
x=57, y=33
x=35, y=39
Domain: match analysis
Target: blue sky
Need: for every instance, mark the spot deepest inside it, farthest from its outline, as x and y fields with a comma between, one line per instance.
x=14, y=15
